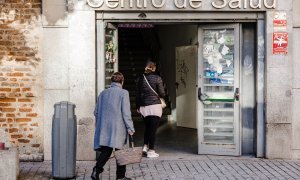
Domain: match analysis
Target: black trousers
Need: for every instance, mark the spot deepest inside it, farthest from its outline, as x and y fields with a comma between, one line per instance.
x=151, y=125
x=104, y=157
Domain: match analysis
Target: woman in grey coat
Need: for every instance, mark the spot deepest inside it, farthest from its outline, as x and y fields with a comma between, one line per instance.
x=113, y=124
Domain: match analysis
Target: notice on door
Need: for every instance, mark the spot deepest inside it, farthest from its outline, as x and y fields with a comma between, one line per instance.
x=280, y=43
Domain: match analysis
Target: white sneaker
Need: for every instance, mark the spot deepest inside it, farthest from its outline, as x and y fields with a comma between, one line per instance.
x=152, y=154
x=145, y=150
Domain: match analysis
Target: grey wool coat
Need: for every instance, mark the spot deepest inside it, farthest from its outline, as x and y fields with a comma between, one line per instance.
x=113, y=118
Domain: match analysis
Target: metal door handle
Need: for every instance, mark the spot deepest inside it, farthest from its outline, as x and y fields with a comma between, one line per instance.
x=199, y=94
x=237, y=94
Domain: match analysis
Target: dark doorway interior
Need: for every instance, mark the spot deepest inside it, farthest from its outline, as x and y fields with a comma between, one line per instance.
x=136, y=45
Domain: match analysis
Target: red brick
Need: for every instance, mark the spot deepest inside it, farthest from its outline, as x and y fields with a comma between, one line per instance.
x=34, y=124
x=23, y=140
x=10, y=115
x=13, y=130
x=12, y=1
x=29, y=54
x=5, y=104
x=10, y=120
x=16, y=90
x=14, y=84
x=29, y=95
x=19, y=120
x=25, y=109
x=8, y=109
x=26, y=89
x=21, y=58
x=23, y=100
x=3, y=79
x=35, y=145
x=22, y=69
x=30, y=136
x=16, y=136
x=16, y=94
x=6, y=43
x=8, y=100
x=13, y=79
x=2, y=120
x=5, y=89
x=31, y=115
x=17, y=74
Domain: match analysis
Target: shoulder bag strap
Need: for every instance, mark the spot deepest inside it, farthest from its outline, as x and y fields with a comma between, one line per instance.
x=149, y=85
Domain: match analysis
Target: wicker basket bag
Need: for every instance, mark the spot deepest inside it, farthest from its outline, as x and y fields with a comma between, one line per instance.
x=129, y=155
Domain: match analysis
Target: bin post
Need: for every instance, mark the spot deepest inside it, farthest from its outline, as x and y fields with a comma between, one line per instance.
x=64, y=140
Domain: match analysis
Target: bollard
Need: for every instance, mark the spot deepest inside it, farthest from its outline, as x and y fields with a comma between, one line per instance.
x=64, y=137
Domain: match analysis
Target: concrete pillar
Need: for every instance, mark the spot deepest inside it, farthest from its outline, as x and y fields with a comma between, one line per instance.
x=9, y=164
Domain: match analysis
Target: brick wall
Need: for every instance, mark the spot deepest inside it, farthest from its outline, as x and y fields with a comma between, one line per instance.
x=21, y=93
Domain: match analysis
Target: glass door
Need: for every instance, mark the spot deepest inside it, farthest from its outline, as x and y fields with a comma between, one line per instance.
x=218, y=90
x=111, y=52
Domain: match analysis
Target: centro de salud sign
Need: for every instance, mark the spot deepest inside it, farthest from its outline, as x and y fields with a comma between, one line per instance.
x=182, y=4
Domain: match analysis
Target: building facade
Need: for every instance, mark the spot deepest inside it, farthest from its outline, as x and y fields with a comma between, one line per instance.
x=230, y=67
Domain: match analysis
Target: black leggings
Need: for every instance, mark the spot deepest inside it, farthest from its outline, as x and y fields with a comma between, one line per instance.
x=104, y=157
x=151, y=124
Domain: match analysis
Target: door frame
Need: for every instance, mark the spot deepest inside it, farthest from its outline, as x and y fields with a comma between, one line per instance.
x=195, y=17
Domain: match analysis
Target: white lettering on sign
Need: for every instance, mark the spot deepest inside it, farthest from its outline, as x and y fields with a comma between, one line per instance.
x=258, y=5
x=95, y=4
x=162, y=3
x=195, y=3
x=235, y=4
x=183, y=4
x=115, y=3
x=273, y=5
x=239, y=4
x=245, y=4
x=219, y=5
x=180, y=6
x=141, y=4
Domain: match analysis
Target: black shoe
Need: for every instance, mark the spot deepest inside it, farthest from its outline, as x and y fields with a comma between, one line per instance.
x=95, y=174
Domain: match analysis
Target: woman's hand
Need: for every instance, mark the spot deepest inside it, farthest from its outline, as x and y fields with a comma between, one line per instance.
x=131, y=133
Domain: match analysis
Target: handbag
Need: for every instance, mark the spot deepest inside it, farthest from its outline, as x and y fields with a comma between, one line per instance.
x=129, y=155
x=162, y=101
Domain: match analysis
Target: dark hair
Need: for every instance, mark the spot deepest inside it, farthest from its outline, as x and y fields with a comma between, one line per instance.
x=150, y=66
x=117, y=77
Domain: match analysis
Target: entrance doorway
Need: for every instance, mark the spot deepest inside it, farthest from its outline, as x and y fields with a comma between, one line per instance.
x=208, y=72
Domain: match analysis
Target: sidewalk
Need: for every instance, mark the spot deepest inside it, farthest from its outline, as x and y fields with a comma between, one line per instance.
x=180, y=167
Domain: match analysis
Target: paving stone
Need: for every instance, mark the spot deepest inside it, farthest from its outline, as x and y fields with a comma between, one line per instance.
x=197, y=168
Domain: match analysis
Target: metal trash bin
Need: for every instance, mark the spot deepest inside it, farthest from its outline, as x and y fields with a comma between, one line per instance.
x=64, y=140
